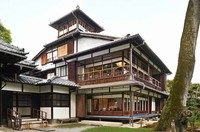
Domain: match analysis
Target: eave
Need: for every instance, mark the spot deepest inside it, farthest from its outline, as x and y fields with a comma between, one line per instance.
x=74, y=14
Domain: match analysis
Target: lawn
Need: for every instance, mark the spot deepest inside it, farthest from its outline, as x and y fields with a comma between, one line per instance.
x=117, y=129
x=197, y=123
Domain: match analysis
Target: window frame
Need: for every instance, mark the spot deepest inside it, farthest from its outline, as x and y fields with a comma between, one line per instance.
x=58, y=100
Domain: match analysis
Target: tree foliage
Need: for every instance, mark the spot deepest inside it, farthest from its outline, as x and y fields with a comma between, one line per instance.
x=174, y=111
x=193, y=106
x=5, y=34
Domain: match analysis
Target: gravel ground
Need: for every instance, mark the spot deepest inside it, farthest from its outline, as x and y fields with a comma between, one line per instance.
x=49, y=129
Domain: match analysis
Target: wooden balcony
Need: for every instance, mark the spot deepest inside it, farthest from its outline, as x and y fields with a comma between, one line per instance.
x=141, y=76
x=117, y=74
x=103, y=76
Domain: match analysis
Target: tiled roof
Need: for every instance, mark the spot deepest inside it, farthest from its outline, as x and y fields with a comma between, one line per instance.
x=11, y=48
x=26, y=63
x=58, y=81
x=39, y=81
x=21, y=79
x=78, y=13
x=10, y=54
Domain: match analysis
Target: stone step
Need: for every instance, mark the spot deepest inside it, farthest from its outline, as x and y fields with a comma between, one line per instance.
x=101, y=123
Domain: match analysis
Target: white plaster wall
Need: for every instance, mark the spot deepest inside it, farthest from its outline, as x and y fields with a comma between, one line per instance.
x=89, y=105
x=60, y=112
x=48, y=110
x=60, y=89
x=31, y=88
x=45, y=89
x=48, y=66
x=73, y=104
x=88, y=43
x=23, y=110
x=153, y=104
x=13, y=87
x=38, y=63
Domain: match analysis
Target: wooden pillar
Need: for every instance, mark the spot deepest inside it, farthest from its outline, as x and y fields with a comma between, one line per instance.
x=131, y=106
x=70, y=103
x=51, y=102
x=131, y=63
x=149, y=105
x=123, y=103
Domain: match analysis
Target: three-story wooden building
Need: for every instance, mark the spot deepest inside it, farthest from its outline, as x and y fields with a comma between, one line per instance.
x=117, y=76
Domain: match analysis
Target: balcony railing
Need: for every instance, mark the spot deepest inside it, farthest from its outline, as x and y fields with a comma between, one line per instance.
x=99, y=74
x=117, y=74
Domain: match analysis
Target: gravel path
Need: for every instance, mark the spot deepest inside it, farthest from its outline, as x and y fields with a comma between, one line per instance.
x=49, y=129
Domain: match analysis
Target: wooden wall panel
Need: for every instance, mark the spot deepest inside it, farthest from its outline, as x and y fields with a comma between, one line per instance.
x=62, y=50
x=70, y=49
x=80, y=101
x=72, y=71
x=43, y=58
x=163, y=80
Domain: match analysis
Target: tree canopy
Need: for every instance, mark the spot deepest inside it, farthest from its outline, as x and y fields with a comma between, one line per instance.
x=5, y=34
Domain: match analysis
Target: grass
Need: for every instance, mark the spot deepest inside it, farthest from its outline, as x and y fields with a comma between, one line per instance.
x=71, y=125
x=117, y=129
x=197, y=123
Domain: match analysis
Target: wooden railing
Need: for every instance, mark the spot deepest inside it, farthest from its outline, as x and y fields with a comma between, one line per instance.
x=39, y=114
x=99, y=74
x=14, y=119
x=140, y=75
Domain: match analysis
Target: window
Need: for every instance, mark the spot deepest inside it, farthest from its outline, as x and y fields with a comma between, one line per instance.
x=107, y=102
x=55, y=54
x=59, y=100
x=49, y=56
x=52, y=55
x=23, y=100
x=46, y=99
x=61, y=71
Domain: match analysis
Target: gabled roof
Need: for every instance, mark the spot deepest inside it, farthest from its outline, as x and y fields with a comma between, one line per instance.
x=134, y=39
x=73, y=15
x=10, y=53
x=74, y=34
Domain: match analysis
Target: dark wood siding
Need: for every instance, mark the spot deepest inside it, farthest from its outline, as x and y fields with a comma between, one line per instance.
x=43, y=58
x=80, y=103
x=72, y=71
x=70, y=48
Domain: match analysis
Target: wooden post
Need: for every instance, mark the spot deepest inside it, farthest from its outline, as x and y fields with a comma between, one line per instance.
x=149, y=105
x=122, y=103
x=130, y=60
x=131, y=106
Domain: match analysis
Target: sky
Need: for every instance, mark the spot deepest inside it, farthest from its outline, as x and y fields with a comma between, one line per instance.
x=159, y=22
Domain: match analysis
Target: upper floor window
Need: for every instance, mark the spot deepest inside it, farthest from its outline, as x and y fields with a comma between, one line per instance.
x=52, y=55
x=61, y=71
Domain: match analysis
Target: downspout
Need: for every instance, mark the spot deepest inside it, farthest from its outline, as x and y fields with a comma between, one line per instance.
x=76, y=19
x=77, y=23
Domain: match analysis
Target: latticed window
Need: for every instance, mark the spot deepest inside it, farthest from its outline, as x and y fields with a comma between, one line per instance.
x=61, y=71
x=52, y=55
x=58, y=100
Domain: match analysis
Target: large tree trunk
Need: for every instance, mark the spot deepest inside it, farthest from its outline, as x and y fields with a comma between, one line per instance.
x=175, y=106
